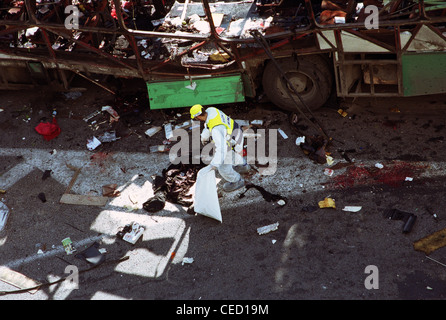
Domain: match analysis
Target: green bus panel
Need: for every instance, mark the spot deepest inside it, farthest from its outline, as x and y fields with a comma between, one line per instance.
x=424, y=73
x=204, y=91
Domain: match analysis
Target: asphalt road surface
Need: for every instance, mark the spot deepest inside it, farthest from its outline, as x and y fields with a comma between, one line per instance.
x=388, y=154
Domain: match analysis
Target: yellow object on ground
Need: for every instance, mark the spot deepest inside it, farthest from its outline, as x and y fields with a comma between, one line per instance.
x=431, y=242
x=327, y=203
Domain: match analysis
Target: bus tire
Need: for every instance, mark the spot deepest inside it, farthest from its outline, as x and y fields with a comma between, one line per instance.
x=311, y=76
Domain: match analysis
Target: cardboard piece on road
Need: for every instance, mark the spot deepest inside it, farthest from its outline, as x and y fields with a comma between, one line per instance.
x=431, y=242
x=69, y=198
x=76, y=199
x=77, y=171
x=17, y=279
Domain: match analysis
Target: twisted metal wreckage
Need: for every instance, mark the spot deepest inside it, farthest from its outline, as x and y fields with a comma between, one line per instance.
x=208, y=51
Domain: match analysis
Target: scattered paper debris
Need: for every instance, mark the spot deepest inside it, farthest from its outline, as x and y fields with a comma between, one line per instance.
x=300, y=140
x=191, y=86
x=93, y=143
x=282, y=133
x=352, y=208
x=187, y=260
x=242, y=123
x=152, y=131
x=131, y=232
x=268, y=228
x=113, y=114
x=182, y=125
x=168, y=130
x=257, y=122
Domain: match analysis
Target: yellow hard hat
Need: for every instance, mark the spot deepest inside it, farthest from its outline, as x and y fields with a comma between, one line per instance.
x=196, y=110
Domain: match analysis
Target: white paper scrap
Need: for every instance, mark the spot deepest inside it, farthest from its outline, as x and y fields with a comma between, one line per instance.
x=268, y=228
x=187, y=260
x=283, y=134
x=352, y=208
x=93, y=143
x=300, y=140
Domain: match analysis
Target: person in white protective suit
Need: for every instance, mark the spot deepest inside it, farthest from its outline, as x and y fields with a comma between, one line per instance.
x=228, y=139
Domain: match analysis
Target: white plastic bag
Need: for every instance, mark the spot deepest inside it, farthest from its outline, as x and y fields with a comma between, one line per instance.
x=206, y=198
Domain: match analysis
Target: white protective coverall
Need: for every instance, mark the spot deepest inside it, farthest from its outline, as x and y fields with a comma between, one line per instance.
x=224, y=156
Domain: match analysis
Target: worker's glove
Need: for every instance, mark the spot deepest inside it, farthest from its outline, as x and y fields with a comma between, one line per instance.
x=205, y=135
x=238, y=148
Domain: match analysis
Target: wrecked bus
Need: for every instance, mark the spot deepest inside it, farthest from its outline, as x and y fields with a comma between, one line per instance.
x=226, y=52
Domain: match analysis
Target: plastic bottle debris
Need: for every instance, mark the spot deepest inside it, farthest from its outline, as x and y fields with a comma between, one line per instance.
x=409, y=179
x=379, y=165
x=328, y=172
x=268, y=228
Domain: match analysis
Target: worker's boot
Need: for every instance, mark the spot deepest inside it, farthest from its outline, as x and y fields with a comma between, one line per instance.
x=243, y=168
x=232, y=186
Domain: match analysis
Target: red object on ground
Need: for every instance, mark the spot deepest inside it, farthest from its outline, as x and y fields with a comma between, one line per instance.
x=49, y=130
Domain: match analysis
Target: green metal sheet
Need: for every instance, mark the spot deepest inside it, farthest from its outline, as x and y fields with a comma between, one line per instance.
x=424, y=73
x=205, y=91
